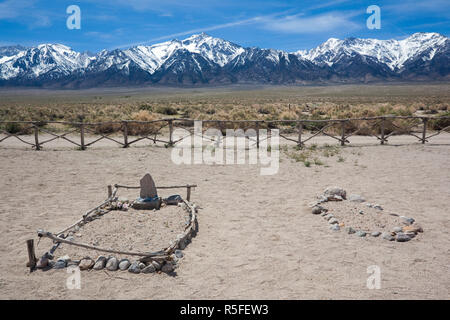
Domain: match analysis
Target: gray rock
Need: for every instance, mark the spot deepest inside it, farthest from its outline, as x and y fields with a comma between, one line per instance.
x=378, y=207
x=179, y=254
x=335, y=191
x=387, y=236
x=167, y=267
x=356, y=198
x=333, y=221
x=361, y=233
x=407, y=221
x=329, y=216
x=42, y=263
x=361, y=212
x=397, y=229
x=86, y=263
x=401, y=237
x=141, y=265
x=134, y=267
x=112, y=264
x=156, y=264
x=350, y=230
x=335, y=198
x=323, y=214
x=149, y=269
x=335, y=227
x=124, y=264
x=100, y=263
x=60, y=264
x=375, y=234
x=317, y=210
x=410, y=234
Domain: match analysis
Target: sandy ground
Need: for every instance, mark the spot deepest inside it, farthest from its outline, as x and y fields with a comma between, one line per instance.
x=257, y=238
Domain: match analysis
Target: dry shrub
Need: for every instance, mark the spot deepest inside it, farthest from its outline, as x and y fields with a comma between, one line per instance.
x=136, y=129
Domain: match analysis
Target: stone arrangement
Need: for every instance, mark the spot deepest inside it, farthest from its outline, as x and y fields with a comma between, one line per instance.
x=403, y=233
x=165, y=260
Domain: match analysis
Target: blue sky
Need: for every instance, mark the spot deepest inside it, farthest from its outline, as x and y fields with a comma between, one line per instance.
x=285, y=25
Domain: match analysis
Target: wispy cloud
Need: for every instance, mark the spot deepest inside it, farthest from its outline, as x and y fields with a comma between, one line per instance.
x=197, y=30
x=25, y=12
x=300, y=24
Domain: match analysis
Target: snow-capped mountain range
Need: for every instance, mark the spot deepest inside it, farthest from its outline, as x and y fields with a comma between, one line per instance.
x=202, y=59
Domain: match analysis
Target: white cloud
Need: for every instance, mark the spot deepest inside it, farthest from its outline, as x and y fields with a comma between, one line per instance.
x=298, y=24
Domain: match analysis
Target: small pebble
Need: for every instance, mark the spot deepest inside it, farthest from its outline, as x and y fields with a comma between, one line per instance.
x=100, y=263
x=375, y=233
x=134, y=267
x=60, y=264
x=167, y=267
x=156, y=264
x=86, y=263
x=179, y=254
x=317, y=210
x=149, y=269
x=335, y=227
x=361, y=233
x=401, y=237
x=42, y=263
x=112, y=264
x=350, y=230
x=406, y=220
x=124, y=264
x=397, y=229
x=387, y=236
x=333, y=221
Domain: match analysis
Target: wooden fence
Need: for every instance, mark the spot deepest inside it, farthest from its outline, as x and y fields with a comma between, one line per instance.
x=298, y=131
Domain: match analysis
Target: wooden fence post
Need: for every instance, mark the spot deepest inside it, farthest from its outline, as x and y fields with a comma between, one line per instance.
x=382, y=130
x=424, y=131
x=31, y=255
x=36, y=137
x=257, y=134
x=125, y=133
x=342, y=133
x=170, y=132
x=188, y=196
x=83, y=147
x=300, y=129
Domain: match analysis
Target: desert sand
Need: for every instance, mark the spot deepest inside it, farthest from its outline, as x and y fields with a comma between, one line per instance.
x=257, y=237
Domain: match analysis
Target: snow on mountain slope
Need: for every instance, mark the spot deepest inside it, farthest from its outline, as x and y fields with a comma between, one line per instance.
x=150, y=58
x=393, y=53
x=34, y=62
x=202, y=58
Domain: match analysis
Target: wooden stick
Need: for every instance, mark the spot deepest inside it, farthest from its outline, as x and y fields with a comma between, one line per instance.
x=125, y=134
x=188, y=196
x=83, y=147
x=170, y=132
x=109, y=191
x=42, y=233
x=31, y=255
x=36, y=138
x=424, y=131
x=300, y=131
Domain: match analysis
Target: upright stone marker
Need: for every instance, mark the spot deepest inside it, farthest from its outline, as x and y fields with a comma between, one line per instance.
x=148, y=187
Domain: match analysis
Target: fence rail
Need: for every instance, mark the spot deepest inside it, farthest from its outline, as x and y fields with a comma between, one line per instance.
x=381, y=128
